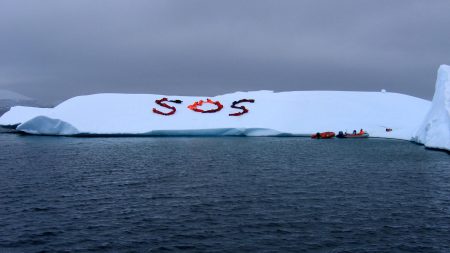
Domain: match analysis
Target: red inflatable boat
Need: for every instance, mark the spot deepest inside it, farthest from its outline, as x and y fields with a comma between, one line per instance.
x=323, y=135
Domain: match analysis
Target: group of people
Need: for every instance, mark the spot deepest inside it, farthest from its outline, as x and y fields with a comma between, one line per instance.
x=361, y=132
x=243, y=108
x=161, y=103
x=195, y=106
x=354, y=134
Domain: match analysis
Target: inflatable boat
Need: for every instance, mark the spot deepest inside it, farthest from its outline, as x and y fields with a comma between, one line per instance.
x=358, y=135
x=323, y=135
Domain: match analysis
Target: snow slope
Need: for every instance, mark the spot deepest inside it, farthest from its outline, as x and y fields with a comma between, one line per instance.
x=11, y=95
x=9, y=99
x=435, y=129
x=272, y=114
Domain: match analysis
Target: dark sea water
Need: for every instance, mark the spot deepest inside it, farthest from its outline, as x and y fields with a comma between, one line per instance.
x=240, y=194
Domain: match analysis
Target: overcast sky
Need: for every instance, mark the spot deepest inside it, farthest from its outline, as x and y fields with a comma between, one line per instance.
x=53, y=50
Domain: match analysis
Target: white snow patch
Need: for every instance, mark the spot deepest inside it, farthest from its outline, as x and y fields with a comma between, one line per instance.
x=19, y=114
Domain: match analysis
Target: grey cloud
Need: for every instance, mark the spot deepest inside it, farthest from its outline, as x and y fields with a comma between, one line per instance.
x=53, y=50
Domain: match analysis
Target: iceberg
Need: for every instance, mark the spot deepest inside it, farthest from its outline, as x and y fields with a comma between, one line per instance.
x=255, y=113
x=295, y=113
x=434, y=132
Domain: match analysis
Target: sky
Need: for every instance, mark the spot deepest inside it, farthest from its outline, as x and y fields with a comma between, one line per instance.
x=52, y=50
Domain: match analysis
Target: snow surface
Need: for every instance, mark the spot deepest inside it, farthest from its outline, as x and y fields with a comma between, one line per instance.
x=294, y=113
x=20, y=114
x=435, y=129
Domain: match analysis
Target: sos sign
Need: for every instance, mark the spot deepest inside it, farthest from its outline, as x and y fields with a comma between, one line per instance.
x=196, y=106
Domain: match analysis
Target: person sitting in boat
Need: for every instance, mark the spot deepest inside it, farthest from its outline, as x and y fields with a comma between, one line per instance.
x=354, y=131
x=361, y=132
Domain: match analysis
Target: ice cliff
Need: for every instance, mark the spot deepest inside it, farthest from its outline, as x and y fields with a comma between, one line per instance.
x=434, y=132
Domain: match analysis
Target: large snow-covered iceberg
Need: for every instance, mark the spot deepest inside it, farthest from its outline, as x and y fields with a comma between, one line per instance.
x=435, y=129
x=294, y=113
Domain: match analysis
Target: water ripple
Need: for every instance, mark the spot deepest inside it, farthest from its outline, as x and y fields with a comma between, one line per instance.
x=222, y=195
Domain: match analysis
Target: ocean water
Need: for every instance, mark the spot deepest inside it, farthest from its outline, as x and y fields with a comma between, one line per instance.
x=61, y=194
